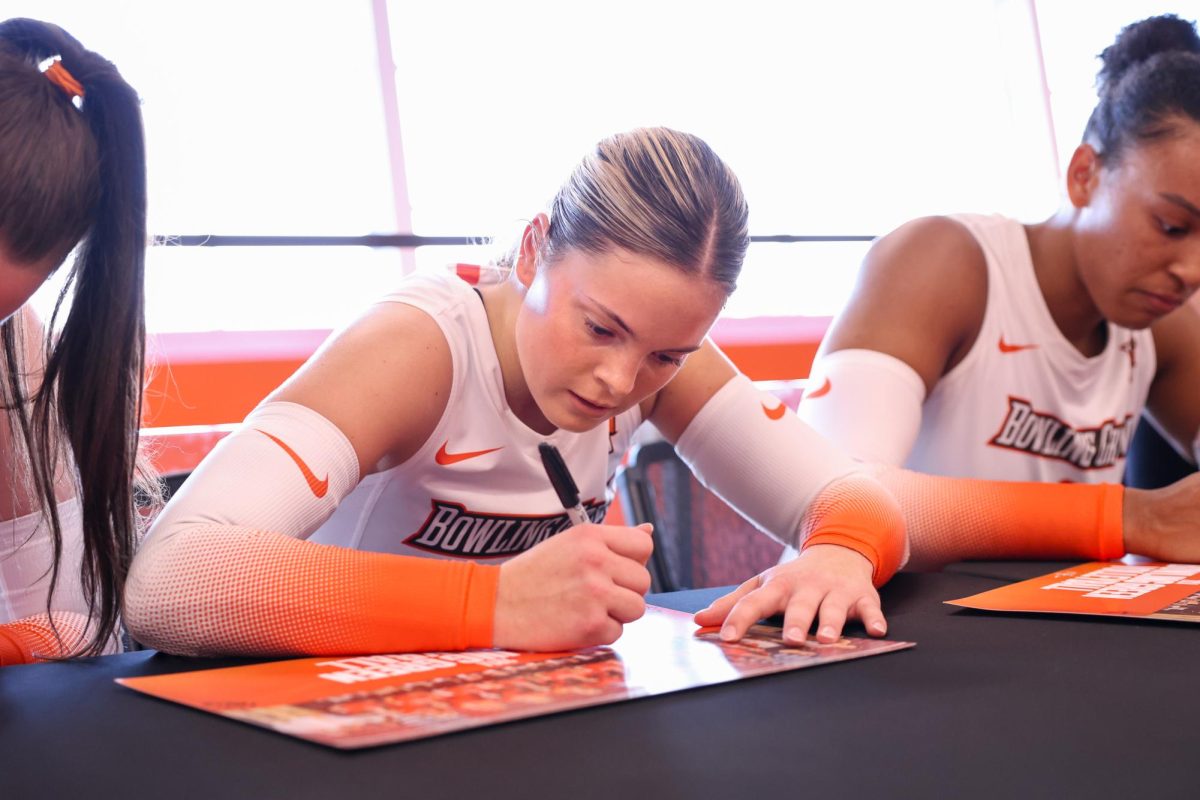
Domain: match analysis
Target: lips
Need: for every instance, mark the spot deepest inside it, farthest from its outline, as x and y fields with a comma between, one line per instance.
x=594, y=409
x=1163, y=303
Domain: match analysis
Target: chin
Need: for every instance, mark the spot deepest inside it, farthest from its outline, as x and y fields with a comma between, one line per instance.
x=1137, y=322
x=561, y=417
x=576, y=424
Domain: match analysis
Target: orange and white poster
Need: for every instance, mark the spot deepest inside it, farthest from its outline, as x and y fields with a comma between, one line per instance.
x=372, y=700
x=1150, y=590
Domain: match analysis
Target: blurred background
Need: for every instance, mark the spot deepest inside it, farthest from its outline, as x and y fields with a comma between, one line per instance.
x=288, y=133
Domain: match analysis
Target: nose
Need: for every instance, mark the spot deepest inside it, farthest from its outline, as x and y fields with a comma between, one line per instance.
x=618, y=372
x=1186, y=269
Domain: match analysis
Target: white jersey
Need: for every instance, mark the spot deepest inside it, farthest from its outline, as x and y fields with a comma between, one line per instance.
x=26, y=555
x=1025, y=404
x=476, y=488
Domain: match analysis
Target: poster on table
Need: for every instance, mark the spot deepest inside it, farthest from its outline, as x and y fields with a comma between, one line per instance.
x=363, y=701
x=1152, y=590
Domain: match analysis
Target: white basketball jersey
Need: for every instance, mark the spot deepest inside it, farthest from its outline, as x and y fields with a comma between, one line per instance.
x=26, y=555
x=1025, y=404
x=476, y=489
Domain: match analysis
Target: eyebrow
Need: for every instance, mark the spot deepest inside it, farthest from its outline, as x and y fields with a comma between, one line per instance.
x=1183, y=202
x=621, y=324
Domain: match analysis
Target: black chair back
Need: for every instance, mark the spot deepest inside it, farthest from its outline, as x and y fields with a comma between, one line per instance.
x=699, y=541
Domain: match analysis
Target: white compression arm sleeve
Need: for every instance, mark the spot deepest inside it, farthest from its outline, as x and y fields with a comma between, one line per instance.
x=867, y=403
x=784, y=477
x=285, y=470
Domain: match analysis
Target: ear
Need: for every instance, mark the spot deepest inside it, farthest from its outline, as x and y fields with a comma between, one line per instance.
x=529, y=254
x=1083, y=175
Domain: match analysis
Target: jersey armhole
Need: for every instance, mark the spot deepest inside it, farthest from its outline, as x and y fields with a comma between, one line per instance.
x=425, y=449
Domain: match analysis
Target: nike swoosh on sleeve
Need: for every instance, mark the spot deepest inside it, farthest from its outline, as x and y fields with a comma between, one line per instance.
x=774, y=413
x=821, y=391
x=318, y=487
x=446, y=459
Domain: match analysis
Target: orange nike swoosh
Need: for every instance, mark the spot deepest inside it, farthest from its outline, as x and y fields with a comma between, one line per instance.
x=446, y=459
x=1005, y=347
x=821, y=392
x=776, y=412
x=319, y=488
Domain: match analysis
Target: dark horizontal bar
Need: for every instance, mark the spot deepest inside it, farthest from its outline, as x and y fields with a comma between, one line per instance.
x=405, y=240
x=370, y=240
x=787, y=239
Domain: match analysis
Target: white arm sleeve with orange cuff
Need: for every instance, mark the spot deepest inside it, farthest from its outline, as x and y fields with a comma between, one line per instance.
x=24, y=641
x=789, y=481
x=224, y=569
x=955, y=519
x=867, y=403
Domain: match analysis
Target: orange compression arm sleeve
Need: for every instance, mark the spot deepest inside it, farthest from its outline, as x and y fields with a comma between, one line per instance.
x=223, y=590
x=953, y=519
x=856, y=512
x=24, y=641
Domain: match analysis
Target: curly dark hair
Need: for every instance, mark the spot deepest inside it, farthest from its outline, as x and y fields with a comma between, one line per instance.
x=1149, y=79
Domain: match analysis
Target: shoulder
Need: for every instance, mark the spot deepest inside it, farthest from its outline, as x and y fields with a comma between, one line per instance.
x=434, y=286
x=17, y=497
x=384, y=381
x=920, y=296
x=929, y=250
x=32, y=342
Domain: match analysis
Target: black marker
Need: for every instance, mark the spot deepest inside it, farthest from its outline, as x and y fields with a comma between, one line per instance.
x=563, y=483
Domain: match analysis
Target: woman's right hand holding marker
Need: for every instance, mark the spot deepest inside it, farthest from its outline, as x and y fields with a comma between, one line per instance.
x=576, y=589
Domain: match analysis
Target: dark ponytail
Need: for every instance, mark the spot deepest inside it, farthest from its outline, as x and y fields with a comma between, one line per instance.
x=1150, y=77
x=88, y=191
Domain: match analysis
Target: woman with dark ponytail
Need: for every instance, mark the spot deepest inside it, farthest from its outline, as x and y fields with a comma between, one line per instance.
x=978, y=347
x=72, y=183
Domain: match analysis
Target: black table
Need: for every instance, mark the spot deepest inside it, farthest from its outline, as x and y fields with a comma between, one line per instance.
x=986, y=705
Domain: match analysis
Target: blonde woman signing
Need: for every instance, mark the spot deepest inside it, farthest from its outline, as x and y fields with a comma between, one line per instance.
x=390, y=495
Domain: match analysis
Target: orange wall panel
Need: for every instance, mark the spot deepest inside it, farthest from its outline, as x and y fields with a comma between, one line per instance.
x=776, y=361
x=217, y=378
x=210, y=393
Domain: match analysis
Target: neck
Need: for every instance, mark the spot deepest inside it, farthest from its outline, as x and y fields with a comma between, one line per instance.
x=502, y=302
x=1051, y=246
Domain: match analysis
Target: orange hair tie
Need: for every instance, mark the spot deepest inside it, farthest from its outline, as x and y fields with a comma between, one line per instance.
x=64, y=80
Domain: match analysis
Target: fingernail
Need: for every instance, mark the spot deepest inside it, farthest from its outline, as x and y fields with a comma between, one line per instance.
x=827, y=632
x=795, y=634
x=728, y=633
x=878, y=627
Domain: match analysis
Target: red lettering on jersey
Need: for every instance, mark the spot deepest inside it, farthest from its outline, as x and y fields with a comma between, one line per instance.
x=1044, y=435
x=1130, y=349
x=452, y=529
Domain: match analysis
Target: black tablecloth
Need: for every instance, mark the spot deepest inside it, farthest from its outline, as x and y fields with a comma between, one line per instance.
x=986, y=705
